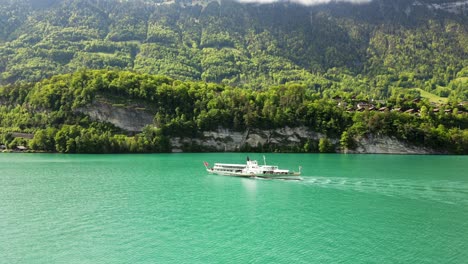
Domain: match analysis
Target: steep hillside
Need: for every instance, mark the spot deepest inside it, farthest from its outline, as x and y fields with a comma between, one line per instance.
x=375, y=49
x=116, y=111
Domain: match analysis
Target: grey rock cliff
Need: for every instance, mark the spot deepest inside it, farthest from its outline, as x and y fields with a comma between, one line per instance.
x=131, y=119
x=229, y=140
x=134, y=119
x=388, y=145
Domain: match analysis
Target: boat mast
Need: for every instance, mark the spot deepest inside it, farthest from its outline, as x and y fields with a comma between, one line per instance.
x=264, y=160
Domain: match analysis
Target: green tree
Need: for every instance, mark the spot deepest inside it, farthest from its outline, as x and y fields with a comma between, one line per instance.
x=325, y=145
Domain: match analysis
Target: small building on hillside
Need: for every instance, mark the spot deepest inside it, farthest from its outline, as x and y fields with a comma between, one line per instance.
x=342, y=104
x=2, y=147
x=362, y=106
x=383, y=109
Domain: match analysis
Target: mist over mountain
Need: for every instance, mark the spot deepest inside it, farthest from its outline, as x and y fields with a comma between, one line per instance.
x=392, y=43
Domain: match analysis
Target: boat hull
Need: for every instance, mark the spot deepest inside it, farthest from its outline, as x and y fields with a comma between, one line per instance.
x=289, y=176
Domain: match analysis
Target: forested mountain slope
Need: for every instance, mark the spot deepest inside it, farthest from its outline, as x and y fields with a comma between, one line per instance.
x=375, y=49
x=56, y=114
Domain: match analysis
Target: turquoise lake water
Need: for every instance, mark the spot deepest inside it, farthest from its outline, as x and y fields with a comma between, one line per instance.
x=164, y=208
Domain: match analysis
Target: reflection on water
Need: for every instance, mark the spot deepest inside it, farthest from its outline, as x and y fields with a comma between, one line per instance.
x=166, y=209
x=250, y=185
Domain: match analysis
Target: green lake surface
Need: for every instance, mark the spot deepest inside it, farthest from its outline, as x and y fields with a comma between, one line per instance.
x=164, y=208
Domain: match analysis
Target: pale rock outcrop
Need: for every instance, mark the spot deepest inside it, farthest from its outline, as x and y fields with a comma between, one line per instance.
x=229, y=140
x=131, y=119
x=134, y=119
x=387, y=145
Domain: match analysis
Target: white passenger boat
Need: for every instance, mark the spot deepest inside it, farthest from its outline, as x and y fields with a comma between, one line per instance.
x=253, y=170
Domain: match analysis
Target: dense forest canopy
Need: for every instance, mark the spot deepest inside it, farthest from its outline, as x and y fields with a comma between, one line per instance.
x=376, y=47
x=200, y=65
x=185, y=109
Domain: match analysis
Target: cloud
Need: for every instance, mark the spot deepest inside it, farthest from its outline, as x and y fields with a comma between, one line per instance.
x=305, y=2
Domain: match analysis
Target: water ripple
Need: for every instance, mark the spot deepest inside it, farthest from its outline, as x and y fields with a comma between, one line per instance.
x=450, y=192
x=151, y=209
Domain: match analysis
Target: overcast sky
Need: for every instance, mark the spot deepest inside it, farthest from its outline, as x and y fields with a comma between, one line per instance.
x=306, y=2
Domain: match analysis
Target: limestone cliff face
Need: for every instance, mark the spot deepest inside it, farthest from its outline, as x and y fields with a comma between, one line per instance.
x=229, y=140
x=388, y=145
x=130, y=118
x=134, y=119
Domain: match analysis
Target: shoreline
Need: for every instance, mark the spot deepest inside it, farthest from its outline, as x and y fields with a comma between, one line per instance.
x=203, y=152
